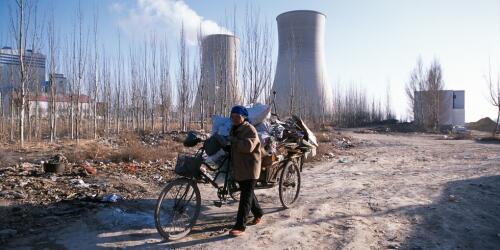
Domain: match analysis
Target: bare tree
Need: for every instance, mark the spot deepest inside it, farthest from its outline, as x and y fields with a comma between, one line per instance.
x=53, y=48
x=435, y=85
x=388, y=104
x=153, y=78
x=134, y=90
x=95, y=79
x=257, y=49
x=20, y=31
x=81, y=60
x=202, y=95
x=165, y=86
x=183, y=80
x=494, y=91
x=118, y=90
x=415, y=85
x=424, y=91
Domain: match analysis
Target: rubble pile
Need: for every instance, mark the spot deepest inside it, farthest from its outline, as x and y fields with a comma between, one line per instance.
x=29, y=183
x=483, y=124
x=334, y=145
x=399, y=127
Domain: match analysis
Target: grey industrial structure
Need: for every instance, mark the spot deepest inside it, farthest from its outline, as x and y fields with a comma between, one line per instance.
x=451, y=107
x=301, y=81
x=219, y=88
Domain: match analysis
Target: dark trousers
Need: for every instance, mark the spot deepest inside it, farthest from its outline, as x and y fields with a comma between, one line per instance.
x=248, y=202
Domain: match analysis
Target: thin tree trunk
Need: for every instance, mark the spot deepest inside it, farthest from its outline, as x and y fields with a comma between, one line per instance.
x=498, y=119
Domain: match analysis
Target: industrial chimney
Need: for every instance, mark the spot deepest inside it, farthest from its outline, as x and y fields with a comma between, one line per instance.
x=219, y=89
x=301, y=82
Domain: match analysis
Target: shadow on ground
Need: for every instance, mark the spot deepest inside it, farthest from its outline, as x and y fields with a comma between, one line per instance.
x=89, y=225
x=465, y=216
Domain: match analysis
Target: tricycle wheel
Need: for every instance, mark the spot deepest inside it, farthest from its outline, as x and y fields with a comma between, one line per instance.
x=177, y=209
x=234, y=190
x=289, y=184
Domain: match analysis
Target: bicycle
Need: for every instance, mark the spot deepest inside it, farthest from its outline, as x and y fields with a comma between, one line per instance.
x=179, y=204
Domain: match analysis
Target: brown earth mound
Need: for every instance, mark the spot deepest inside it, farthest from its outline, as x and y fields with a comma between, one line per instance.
x=484, y=124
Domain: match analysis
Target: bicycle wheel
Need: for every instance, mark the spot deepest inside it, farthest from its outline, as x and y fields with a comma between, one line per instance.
x=289, y=184
x=177, y=209
x=234, y=190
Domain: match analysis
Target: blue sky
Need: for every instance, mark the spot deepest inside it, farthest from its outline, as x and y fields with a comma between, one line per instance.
x=371, y=44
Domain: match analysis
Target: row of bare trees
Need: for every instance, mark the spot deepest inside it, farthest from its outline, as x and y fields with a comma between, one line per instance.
x=353, y=108
x=115, y=91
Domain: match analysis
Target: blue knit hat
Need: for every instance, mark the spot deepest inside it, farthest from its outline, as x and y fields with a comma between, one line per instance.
x=240, y=110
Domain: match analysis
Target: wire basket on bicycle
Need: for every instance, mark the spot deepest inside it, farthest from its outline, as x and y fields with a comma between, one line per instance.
x=188, y=165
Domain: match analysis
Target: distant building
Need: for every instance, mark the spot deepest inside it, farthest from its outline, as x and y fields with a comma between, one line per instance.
x=61, y=84
x=451, y=107
x=63, y=103
x=10, y=75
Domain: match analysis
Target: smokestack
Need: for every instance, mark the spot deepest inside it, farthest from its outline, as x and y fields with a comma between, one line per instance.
x=301, y=82
x=219, y=89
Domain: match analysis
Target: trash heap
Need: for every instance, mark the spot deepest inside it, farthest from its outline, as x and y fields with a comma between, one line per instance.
x=89, y=181
x=277, y=137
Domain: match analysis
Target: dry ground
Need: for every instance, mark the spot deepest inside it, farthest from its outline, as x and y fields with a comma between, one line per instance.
x=403, y=191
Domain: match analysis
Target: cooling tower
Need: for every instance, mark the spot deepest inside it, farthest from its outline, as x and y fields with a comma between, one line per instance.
x=301, y=82
x=219, y=89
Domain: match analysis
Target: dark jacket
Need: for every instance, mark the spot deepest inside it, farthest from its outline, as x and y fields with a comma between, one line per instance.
x=245, y=152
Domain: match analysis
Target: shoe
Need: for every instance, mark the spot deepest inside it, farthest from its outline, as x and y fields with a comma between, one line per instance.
x=256, y=221
x=236, y=232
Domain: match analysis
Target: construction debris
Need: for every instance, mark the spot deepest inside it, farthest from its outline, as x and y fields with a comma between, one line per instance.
x=29, y=183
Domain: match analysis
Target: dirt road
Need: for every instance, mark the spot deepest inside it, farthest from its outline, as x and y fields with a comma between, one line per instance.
x=396, y=191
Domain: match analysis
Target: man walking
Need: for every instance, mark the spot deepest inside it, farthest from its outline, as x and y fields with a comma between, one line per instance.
x=245, y=166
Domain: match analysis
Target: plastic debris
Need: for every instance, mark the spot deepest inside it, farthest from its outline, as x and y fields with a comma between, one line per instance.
x=258, y=113
x=221, y=125
x=79, y=183
x=111, y=198
x=343, y=160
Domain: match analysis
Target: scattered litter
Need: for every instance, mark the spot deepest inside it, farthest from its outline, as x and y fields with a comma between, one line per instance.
x=345, y=143
x=79, y=183
x=56, y=164
x=343, y=160
x=88, y=169
x=157, y=177
x=111, y=198
x=452, y=198
x=130, y=168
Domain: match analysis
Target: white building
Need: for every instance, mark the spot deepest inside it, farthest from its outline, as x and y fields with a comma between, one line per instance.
x=451, y=107
x=62, y=102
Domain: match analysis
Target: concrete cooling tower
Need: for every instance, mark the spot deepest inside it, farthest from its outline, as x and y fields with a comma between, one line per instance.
x=301, y=82
x=219, y=86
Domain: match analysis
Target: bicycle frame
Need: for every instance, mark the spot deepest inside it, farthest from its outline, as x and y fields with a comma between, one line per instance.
x=223, y=190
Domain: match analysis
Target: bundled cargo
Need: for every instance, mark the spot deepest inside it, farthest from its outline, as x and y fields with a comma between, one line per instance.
x=277, y=138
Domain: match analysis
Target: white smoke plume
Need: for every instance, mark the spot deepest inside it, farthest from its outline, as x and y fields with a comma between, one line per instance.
x=166, y=16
